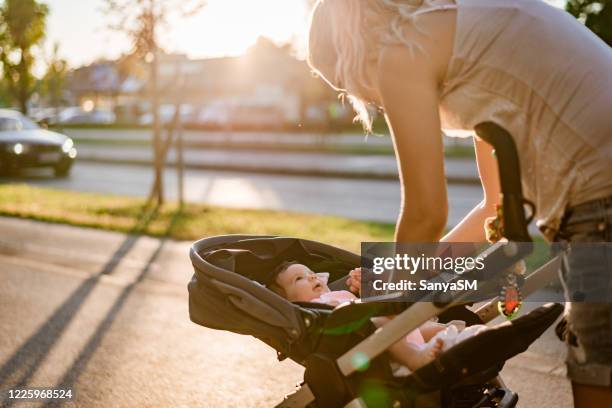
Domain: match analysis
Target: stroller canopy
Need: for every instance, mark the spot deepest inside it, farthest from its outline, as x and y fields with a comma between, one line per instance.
x=228, y=290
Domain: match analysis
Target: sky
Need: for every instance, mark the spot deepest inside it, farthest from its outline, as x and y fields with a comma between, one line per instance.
x=223, y=27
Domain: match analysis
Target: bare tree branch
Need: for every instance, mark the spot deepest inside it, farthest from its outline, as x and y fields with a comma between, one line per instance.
x=141, y=20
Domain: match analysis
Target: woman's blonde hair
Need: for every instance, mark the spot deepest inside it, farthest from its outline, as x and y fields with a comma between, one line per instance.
x=346, y=34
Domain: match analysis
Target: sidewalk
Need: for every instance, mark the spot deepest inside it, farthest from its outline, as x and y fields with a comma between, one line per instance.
x=537, y=375
x=90, y=251
x=383, y=167
x=106, y=315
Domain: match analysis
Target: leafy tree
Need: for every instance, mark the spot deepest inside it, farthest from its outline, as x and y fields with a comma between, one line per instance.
x=141, y=20
x=54, y=79
x=22, y=26
x=595, y=14
x=4, y=100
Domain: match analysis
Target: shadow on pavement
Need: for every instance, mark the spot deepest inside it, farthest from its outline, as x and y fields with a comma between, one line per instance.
x=19, y=369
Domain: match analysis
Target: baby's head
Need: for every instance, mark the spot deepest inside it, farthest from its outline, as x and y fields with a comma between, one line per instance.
x=297, y=283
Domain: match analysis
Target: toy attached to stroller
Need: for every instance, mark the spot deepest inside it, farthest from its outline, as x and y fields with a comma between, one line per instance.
x=345, y=358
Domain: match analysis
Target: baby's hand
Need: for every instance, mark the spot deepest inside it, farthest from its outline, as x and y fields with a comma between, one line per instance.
x=354, y=280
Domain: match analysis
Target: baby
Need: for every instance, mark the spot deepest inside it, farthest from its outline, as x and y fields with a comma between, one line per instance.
x=297, y=283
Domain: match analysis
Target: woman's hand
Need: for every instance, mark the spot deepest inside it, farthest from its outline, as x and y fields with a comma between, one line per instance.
x=354, y=281
x=472, y=227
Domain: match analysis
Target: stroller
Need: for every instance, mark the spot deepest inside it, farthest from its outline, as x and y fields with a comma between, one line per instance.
x=345, y=358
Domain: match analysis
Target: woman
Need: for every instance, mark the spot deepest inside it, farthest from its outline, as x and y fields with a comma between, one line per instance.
x=529, y=67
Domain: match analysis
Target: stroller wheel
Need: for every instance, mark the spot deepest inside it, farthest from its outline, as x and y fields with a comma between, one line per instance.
x=477, y=396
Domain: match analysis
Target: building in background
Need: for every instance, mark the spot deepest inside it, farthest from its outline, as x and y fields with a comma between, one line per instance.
x=266, y=87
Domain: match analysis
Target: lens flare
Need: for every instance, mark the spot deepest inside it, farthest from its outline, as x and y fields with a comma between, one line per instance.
x=360, y=361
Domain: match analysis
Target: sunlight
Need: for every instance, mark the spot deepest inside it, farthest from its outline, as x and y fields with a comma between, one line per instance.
x=230, y=27
x=238, y=192
x=222, y=28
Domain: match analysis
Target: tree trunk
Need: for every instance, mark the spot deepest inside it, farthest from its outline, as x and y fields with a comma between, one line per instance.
x=23, y=104
x=23, y=83
x=158, y=184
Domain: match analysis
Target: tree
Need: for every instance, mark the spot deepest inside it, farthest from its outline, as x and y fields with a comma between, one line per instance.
x=54, y=79
x=141, y=21
x=22, y=26
x=595, y=14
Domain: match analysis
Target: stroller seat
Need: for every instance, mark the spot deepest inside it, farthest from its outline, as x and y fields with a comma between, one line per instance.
x=227, y=292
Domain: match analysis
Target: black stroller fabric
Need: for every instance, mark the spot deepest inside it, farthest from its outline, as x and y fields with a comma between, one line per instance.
x=488, y=349
x=227, y=292
x=258, y=258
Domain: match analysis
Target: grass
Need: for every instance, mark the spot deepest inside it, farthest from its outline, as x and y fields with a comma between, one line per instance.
x=349, y=128
x=456, y=152
x=452, y=151
x=192, y=222
x=459, y=152
x=248, y=146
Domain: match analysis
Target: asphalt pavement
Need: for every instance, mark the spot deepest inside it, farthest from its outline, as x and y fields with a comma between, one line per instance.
x=105, y=314
x=368, y=200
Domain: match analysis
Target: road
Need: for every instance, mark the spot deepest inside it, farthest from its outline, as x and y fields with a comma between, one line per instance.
x=106, y=315
x=108, y=318
x=376, y=200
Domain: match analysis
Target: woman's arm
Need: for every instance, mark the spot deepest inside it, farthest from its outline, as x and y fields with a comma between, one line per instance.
x=408, y=86
x=411, y=108
x=409, y=79
x=471, y=228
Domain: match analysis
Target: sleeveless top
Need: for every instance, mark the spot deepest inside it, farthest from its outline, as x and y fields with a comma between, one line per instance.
x=547, y=79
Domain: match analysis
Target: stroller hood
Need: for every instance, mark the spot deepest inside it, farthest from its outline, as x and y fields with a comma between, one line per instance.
x=227, y=289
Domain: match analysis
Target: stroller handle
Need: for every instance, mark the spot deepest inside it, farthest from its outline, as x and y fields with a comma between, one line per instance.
x=515, y=223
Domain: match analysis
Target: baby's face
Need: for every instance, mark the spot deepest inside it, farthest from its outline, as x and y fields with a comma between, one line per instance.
x=301, y=284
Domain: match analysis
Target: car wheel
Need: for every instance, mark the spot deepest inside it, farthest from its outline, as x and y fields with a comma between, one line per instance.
x=62, y=169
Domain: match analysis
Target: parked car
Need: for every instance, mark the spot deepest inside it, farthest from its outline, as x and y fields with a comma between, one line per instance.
x=77, y=115
x=46, y=116
x=166, y=114
x=24, y=144
x=242, y=114
x=215, y=114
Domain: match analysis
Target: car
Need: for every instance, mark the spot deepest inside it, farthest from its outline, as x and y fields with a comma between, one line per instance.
x=77, y=115
x=241, y=114
x=47, y=116
x=23, y=144
x=166, y=114
x=215, y=114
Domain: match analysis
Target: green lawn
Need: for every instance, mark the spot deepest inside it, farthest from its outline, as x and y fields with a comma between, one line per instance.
x=192, y=222
x=116, y=137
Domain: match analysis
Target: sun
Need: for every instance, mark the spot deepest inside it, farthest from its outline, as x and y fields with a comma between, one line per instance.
x=229, y=27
